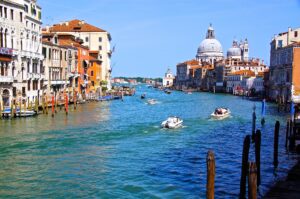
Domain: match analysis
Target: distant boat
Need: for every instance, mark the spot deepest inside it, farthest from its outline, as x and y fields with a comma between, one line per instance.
x=221, y=113
x=168, y=92
x=151, y=101
x=143, y=96
x=105, y=98
x=172, y=123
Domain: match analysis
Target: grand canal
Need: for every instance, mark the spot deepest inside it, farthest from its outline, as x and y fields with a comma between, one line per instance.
x=117, y=149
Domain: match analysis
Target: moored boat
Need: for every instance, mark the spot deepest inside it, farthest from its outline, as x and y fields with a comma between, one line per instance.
x=172, y=123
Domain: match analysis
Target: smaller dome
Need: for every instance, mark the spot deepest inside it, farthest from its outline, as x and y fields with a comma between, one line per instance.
x=234, y=51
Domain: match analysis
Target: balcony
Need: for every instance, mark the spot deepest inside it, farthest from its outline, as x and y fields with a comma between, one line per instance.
x=6, y=51
x=6, y=79
x=33, y=76
x=58, y=82
x=34, y=55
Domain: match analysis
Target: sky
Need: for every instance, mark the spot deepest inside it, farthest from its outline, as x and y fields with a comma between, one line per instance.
x=152, y=35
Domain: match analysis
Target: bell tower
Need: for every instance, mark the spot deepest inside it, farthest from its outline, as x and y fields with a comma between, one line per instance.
x=245, y=50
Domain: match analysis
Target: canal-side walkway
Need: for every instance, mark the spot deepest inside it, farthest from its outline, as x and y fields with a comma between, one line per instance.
x=288, y=188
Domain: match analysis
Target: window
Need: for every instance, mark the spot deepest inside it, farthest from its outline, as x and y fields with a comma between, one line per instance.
x=296, y=33
x=14, y=91
x=1, y=14
x=49, y=57
x=28, y=67
x=39, y=15
x=44, y=52
x=28, y=85
x=11, y=14
x=86, y=39
x=5, y=12
x=41, y=84
x=92, y=73
x=100, y=39
x=21, y=16
x=23, y=90
x=100, y=47
x=26, y=8
x=12, y=43
x=279, y=43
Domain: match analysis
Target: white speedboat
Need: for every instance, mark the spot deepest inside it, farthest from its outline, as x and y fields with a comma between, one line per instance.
x=26, y=113
x=172, y=123
x=151, y=101
x=221, y=113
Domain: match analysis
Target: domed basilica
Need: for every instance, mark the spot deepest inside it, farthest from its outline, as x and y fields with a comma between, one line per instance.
x=210, y=49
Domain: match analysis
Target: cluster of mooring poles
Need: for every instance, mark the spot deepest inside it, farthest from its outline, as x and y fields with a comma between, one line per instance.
x=250, y=170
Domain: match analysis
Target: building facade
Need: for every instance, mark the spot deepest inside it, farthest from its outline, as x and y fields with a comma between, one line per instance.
x=96, y=39
x=22, y=72
x=283, y=65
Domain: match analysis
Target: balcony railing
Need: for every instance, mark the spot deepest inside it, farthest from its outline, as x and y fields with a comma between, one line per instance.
x=6, y=79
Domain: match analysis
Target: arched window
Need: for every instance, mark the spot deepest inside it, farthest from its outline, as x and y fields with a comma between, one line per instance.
x=5, y=38
x=1, y=37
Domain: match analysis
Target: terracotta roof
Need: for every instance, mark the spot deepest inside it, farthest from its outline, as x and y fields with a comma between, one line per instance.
x=94, y=51
x=296, y=44
x=193, y=67
x=75, y=26
x=246, y=73
x=190, y=62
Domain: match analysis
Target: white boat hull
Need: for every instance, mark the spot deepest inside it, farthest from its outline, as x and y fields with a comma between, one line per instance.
x=171, y=124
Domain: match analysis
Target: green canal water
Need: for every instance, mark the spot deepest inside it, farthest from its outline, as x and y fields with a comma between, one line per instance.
x=118, y=150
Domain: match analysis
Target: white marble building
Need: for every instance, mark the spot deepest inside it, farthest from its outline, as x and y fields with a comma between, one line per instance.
x=168, y=79
x=20, y=51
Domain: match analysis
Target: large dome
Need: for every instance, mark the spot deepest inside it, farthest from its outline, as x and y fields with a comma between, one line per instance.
x=210, y=46
x=210, y=49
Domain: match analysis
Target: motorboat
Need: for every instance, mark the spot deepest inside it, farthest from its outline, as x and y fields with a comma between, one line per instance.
x=168, y=92
x=19, y=113
x=26, y=113
x=221, y=113
x=172, y=123
x=151, y=101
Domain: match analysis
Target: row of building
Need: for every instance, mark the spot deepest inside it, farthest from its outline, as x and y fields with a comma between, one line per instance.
x=71, y=58
x=240, y=74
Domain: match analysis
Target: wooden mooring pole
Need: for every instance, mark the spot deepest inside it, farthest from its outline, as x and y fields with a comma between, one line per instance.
x=276, y=137
x=244, y=171
x=287, y=133
x=253, y=122
x=257, y=155
x=210, y=186
x=252, y=181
